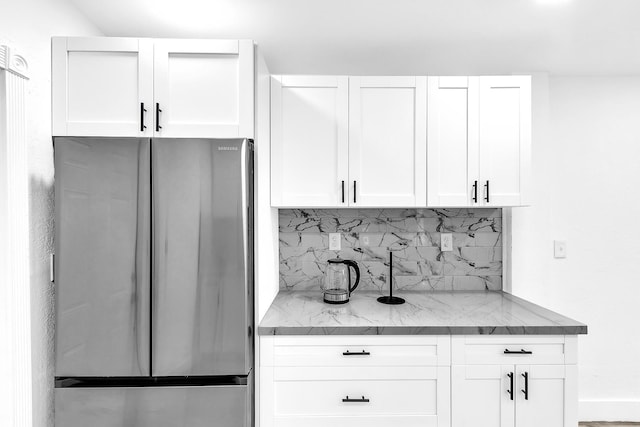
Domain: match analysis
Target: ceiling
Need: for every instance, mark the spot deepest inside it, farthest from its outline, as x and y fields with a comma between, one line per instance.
x=399, y=36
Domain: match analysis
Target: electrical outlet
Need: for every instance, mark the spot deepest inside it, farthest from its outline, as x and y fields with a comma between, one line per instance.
x=364, y=240
x=559, y=249
x=446, y=242
x=334, y=241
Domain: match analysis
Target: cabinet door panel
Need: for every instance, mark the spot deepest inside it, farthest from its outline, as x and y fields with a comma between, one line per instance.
x=479, y=396
x=546, y=402
x=99, y=86
x=505, y=139
x=387, y=141
x=452, y=140
x=310, y=147
x=204, y=88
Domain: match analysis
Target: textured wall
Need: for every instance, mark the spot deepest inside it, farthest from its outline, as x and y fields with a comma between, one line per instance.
x=27, y=25
x=413, y=235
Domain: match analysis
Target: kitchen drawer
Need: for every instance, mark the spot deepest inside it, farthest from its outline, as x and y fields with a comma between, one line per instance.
x=512, y=349
x=355, y=351
x=303, y=392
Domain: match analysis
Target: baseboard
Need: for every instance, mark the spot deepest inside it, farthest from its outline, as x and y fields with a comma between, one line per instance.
x=609, y=410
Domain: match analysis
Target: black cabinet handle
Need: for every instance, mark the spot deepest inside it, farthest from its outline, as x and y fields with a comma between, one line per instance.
x=342, y=191
x=142, y=111
x=363, y=399
x=361, y=353
x=526, y=385
x=158, y=111
x=510, y=391
x=521, y=351
x=475, y=192
x=486, y=186
x=354, y=192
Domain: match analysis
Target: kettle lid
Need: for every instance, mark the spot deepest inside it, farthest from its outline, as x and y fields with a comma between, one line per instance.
x=336, y=261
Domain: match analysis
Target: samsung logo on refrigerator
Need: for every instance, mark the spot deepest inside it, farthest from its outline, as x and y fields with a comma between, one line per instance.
x=227, y=148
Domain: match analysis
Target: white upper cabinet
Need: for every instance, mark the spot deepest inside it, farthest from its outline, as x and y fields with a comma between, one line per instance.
x=203, y=88
x=105, y=86
x=479, y=133
x=101, y=86
x=348, y=141
x=452, y=141
x=505, y=139
x=411, y=141
x=387, y=141
x=310, y=148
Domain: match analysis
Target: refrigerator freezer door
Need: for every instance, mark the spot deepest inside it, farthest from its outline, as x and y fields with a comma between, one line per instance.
x=202, y=273
x=220, y=406
x=102, y=238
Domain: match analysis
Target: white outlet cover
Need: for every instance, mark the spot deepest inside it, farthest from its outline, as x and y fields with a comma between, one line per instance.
x=559, y=249
x=446, y=242
x=334, y=241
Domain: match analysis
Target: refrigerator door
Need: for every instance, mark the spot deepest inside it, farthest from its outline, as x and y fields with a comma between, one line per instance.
x=102, y=268
x=202, y=275
x=220, y=406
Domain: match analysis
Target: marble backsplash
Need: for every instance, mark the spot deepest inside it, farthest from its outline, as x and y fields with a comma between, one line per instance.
x=413, y=235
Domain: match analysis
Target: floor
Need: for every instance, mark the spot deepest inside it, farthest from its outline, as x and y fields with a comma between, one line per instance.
x=595, y=424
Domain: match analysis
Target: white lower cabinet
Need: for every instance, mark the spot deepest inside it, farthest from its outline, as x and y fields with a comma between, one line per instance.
x=421, y=381
x=514, y=382
x=355, y=381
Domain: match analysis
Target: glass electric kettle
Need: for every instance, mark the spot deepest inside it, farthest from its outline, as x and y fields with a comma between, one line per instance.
x=337, y=281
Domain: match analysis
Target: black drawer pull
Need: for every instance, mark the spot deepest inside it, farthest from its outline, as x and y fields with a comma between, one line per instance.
x=521, y=351
x=526, y=385
x=486, y=186
x=361, y=353
x=355, y=191
x=475, y=192
x=142, y=111
x=158, y=111
x=362, y=400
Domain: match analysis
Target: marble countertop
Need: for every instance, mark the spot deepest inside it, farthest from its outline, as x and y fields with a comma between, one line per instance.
x=426, y=313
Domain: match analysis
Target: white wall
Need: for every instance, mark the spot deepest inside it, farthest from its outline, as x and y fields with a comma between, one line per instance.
x=27, y=25
x=586, y=166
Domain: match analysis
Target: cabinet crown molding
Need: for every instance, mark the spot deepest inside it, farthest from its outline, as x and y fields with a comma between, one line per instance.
x=11, y=60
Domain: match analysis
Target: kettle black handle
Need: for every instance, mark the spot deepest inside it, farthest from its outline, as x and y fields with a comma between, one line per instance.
x=353, y=264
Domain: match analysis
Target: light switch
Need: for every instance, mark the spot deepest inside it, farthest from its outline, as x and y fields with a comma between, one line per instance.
x=559, y=249
x=334, y=241
x=446, y=242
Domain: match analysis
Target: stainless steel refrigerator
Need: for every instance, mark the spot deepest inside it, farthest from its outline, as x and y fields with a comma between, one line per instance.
x=154, y=282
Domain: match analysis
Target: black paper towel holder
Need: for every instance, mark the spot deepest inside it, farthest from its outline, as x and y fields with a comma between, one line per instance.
x=390, y=299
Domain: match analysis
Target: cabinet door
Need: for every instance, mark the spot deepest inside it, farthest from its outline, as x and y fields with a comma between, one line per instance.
x=387, y=141
x=452, y=157
x=309, y=148
x=102, y=86
x=203, y=88
x=480, y=396
x=551, y=396
x=505, y=139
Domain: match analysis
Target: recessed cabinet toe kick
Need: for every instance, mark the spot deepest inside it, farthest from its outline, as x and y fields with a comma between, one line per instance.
x=435, y=381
